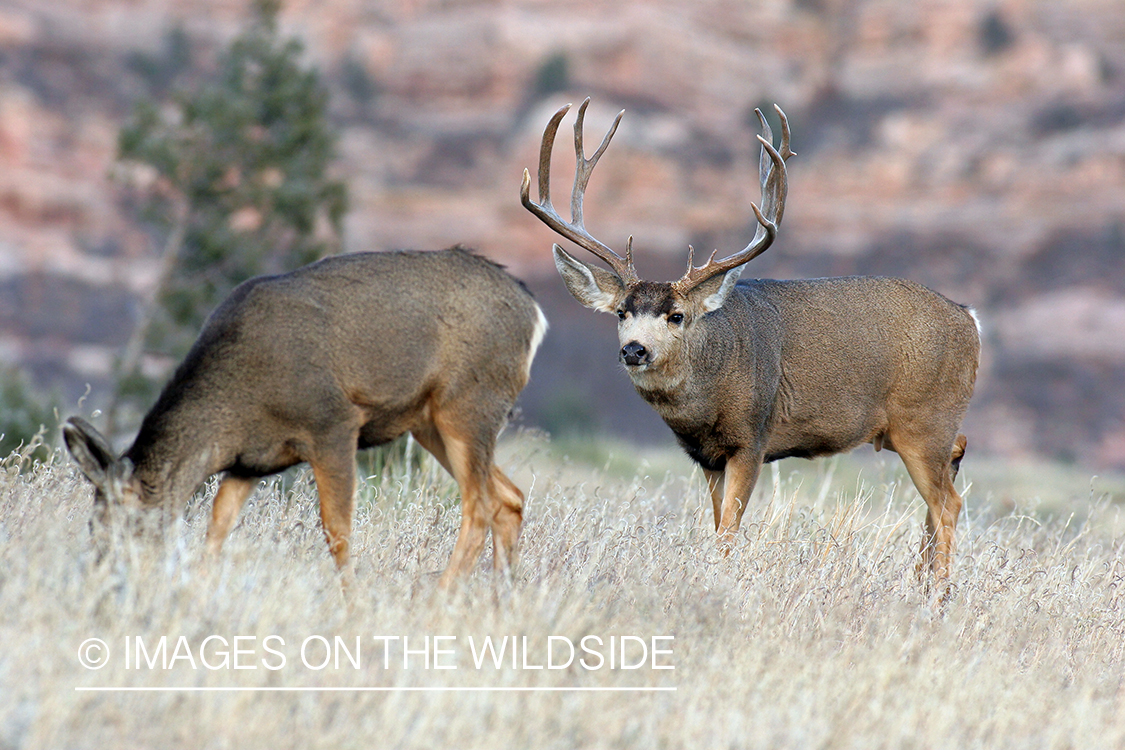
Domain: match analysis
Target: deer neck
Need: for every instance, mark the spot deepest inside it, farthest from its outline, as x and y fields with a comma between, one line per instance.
x=686, y=391
x=663, y=390
x=172, y=455
x=674, y=387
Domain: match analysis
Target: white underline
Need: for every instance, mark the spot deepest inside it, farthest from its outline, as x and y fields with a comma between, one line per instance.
x=374, y=689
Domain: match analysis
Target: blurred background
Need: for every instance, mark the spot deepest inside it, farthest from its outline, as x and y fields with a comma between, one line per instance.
x=975, y=146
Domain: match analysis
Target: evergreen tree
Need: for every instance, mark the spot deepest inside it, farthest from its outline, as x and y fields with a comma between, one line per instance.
x=24, y=416
x=241, y=185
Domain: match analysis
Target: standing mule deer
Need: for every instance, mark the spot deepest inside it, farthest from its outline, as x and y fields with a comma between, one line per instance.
x=349, y=352
x=746, y=372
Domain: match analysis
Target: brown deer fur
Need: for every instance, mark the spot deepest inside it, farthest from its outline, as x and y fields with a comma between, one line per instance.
x=349, y=352
x=747, y=372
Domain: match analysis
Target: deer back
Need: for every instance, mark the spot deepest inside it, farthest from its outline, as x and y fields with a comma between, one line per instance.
x=369, y=336
x=821, y=365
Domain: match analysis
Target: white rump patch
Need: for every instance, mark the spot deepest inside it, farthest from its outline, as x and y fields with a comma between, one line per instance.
x=537, y=334
x=976, y=319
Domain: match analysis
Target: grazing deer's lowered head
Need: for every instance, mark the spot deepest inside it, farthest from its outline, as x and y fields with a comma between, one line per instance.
x=349, y=352
x=746, y=372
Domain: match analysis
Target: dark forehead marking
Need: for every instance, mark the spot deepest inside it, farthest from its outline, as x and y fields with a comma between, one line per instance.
x=650, y=298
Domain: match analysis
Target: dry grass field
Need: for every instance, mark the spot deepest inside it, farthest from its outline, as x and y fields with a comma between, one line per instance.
x=812, y=634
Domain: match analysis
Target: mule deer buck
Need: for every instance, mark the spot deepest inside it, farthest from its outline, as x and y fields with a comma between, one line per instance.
x=747, y=372
x=348, y=352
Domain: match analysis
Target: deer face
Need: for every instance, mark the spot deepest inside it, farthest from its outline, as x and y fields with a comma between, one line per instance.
x=112, y=477
x=655, y=319
x=650, y=326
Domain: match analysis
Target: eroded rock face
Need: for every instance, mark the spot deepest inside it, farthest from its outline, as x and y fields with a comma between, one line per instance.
x=977, y=150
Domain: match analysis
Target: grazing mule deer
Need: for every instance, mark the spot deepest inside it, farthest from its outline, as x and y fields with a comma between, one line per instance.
x=349, y=352
x=746, y=372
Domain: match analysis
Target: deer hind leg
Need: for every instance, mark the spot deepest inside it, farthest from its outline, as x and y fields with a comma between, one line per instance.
x=228, y=502
x=506, y=520
x=959, y=446
x=471, y=474
x=496, y=502
x=469, y=463
x=932, y=472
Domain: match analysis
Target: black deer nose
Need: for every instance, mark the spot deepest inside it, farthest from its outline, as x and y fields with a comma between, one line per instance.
x=634, y=354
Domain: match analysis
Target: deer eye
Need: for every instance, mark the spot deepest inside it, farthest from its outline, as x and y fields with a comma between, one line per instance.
x=676, y=318
x=621, y=315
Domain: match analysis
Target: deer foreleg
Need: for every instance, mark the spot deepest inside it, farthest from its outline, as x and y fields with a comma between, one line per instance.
x=739, y=478
x=335, y=484
x=228, y=502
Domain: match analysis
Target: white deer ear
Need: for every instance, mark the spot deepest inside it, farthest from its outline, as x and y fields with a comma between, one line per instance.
x=715, y=290
x=594, y=287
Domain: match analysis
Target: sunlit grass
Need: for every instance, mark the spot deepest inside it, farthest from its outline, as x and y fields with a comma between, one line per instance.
x=812, y=633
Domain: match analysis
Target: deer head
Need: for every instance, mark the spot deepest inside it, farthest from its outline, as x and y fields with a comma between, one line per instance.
x=654, y=318
x=112, y=476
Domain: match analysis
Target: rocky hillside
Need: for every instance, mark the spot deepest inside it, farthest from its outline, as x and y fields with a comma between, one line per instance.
x=977, y=146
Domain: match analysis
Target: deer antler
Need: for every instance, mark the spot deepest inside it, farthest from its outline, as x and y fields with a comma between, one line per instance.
x=574, y=230
x=771, y=169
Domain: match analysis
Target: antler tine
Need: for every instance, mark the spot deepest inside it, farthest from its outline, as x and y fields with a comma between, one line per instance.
x=545, y=148
x=691, y=258
x=768, y=158
x=775, y=185
x=786, y=152
x=584, y=167
x=575, y=230
x=764, y=160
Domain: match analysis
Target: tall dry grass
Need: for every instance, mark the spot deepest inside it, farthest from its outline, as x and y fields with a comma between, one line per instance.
x=812, y=634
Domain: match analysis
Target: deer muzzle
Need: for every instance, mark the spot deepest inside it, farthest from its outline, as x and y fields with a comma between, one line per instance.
x=634, y=354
